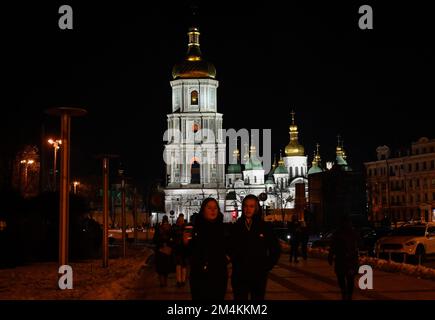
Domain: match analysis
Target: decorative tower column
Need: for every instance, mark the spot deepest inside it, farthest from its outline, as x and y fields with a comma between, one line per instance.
x=295, y=159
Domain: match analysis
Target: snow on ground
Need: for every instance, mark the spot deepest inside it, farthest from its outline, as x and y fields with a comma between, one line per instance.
x=417, y=271
x=39, y=281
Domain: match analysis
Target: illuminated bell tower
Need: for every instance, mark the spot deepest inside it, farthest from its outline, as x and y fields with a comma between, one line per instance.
x=195, y=149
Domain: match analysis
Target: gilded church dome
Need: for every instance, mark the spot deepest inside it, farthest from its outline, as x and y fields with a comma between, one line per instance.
x=315, y=168
x=193, y=66
x=281, y=169
x=294, y=148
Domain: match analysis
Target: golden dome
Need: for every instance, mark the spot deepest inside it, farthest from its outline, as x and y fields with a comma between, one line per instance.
x=193, y=66
x=294, y=148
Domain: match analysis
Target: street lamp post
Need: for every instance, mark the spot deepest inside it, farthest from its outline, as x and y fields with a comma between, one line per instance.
x=65, y=114
x=26, y=163
x=105, y=212
x=56, y=145
x=135, y=214
x=124, y=244
x=105, y=250
x=263, y=197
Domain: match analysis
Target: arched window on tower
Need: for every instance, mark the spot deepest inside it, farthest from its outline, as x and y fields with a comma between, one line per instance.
x=195, y=173
x=291, y=171
x=194, y=97
x=297, y=171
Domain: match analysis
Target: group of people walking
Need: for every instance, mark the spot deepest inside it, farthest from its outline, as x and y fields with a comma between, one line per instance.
x=170, y=252
x=249, y=245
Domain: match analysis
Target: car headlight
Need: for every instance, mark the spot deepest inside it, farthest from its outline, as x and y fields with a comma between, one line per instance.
x=411, y=243
x=288, y=236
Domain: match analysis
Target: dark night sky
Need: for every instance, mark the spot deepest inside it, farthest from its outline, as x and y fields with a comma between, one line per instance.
x=373, y=87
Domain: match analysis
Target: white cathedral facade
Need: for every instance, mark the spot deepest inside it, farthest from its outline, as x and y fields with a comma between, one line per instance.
x=195, y=152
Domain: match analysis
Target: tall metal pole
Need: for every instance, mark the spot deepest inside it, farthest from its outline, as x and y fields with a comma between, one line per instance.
x=105, y=250
x=105, y=212
x=134, y=215
x=65, y=115
x=64, y=189
x=124, y=242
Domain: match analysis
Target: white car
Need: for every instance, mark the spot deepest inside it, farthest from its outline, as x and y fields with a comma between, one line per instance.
x=413, y=239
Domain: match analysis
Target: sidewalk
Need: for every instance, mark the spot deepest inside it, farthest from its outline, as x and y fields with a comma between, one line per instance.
x=313, y=279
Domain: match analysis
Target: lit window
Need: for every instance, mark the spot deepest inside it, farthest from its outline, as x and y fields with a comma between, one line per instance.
x=194, y=97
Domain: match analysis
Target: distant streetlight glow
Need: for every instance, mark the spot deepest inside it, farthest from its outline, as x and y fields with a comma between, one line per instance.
x=75, y=184
x=27, y=162
x=56, y=146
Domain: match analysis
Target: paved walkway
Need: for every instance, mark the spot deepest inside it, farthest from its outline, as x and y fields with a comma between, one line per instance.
x=308, y=280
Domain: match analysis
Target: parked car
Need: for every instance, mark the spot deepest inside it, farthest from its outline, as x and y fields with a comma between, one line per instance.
x=369, y=237
x=414, y=239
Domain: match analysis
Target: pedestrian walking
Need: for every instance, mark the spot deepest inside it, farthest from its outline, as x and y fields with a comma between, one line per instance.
x=344, y=254
x=180, y=251
x=295, y=231
x=163, y=250
x=207, y=251
x=254, y=251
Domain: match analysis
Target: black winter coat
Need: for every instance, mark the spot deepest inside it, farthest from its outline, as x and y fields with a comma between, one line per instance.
x=253, y=252
x=208, y=259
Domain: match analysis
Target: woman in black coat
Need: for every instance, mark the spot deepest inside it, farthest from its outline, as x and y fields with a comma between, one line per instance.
x=207, y=251
x=254, y=252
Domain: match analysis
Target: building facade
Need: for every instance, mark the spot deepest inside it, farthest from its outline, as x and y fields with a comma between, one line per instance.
x=195, y=152
x=278, y=187
x=401, y=187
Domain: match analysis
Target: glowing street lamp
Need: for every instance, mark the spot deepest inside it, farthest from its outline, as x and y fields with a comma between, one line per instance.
x=75, y=184
x=56, y=146
x=26, y=162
